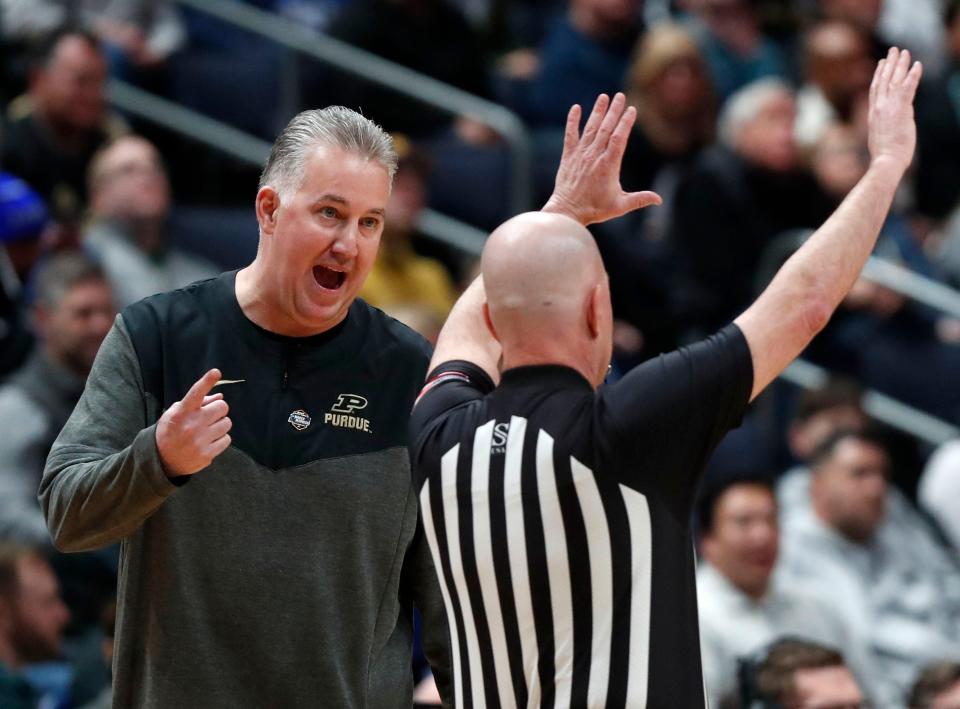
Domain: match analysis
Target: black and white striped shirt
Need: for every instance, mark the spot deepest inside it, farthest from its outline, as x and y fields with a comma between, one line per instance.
x=558, y=519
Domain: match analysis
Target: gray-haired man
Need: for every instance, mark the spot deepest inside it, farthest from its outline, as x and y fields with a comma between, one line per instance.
x=285, y=572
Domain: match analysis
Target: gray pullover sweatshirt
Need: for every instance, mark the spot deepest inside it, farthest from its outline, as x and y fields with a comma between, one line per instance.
x=285, y=573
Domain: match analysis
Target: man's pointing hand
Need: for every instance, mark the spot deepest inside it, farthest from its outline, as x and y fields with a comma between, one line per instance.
x=194, y=431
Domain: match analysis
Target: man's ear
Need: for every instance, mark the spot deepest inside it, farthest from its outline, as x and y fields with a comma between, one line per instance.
x=593, y=311
x=267, y=205
x=489, y=322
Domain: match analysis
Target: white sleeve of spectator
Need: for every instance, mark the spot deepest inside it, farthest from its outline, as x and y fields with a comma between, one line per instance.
x=939, y=490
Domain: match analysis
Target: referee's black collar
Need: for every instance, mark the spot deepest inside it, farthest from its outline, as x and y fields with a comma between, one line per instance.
x=557, y=375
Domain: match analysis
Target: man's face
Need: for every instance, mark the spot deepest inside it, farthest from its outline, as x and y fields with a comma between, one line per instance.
x=320, y=244
x=826, y=688
x=39, y=616
x=846, y=69
x=74, y=328
x=131, y=182
x=768, y=139
x=850, y=488
x=745, y=538
x=839, y=160
x=70, y=90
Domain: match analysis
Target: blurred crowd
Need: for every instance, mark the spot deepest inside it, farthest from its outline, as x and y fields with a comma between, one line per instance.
x=828, y=543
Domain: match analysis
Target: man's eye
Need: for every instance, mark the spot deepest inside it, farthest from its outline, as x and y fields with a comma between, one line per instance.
x=371, y=223
x=329, y=212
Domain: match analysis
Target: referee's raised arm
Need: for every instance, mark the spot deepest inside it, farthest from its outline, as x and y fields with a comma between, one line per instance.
x=802, y=297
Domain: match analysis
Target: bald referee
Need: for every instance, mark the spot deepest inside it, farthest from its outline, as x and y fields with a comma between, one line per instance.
x=557, y=509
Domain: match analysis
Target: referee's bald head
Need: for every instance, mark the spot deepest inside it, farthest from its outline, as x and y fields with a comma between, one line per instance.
x=547, y=293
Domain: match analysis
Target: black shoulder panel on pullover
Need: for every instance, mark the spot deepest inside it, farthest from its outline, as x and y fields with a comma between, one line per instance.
x=346, y=391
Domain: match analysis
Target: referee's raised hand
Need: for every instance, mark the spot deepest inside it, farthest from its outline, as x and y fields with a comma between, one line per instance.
x=893, y=131
x=587, y=187
x=195, y=430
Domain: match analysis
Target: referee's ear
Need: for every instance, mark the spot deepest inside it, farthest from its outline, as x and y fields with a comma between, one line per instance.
x=489, y=322
x=594, y=304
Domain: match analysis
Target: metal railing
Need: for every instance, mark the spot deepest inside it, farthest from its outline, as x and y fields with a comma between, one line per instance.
x=879, y=406
x=380, y=71
x=253, y=150
x=912, y=285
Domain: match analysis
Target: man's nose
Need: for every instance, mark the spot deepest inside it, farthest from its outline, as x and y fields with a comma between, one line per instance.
x=345, y=245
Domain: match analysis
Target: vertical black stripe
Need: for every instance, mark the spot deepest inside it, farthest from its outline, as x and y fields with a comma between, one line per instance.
x=501, y=563
x=674, y=629
x=537, y=569
x=468, y=558
x=580, y=590
x=621, y=560
x=439, y=523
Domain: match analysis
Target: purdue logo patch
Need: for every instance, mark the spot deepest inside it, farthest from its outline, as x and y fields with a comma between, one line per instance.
x=343, y=414
x=299, y=419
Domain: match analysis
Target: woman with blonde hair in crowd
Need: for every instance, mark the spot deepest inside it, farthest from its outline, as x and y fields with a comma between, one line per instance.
x=668, y=83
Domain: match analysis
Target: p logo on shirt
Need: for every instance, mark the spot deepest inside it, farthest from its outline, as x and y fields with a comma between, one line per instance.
x=348, y=403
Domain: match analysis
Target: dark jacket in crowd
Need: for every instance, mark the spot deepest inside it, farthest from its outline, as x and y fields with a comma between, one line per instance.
x=726, y=214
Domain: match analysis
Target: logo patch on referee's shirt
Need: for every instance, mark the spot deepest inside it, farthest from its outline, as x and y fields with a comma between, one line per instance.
x=498, y=442
x=299, y=419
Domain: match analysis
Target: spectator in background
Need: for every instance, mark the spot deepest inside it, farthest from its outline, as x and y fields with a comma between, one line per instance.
x=742, y=604
x=137, y=33
x=862, y=14
x=938, y=131
x=429, y=36
x=819, y=413
x=937, y=687
x=736, y=199
x=911, y=23
x=796, y=673
x=23, y=219
x=939, y=491
x=903, y=602
x=736, y=50
x=586, y=52
x=668, y=83
x=129, y=207
x=32, y=618
x=877, y=329
x=72, y=313
x=838, y=65
x=54, y=130
x=402, y=279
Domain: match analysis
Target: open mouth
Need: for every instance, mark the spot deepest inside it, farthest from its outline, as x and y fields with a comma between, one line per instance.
x=328, y=278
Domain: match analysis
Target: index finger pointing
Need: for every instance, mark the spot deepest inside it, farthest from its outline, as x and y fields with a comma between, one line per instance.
x=193, y=399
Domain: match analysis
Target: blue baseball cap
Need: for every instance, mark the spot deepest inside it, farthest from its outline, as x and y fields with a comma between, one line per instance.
x=23, y=214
